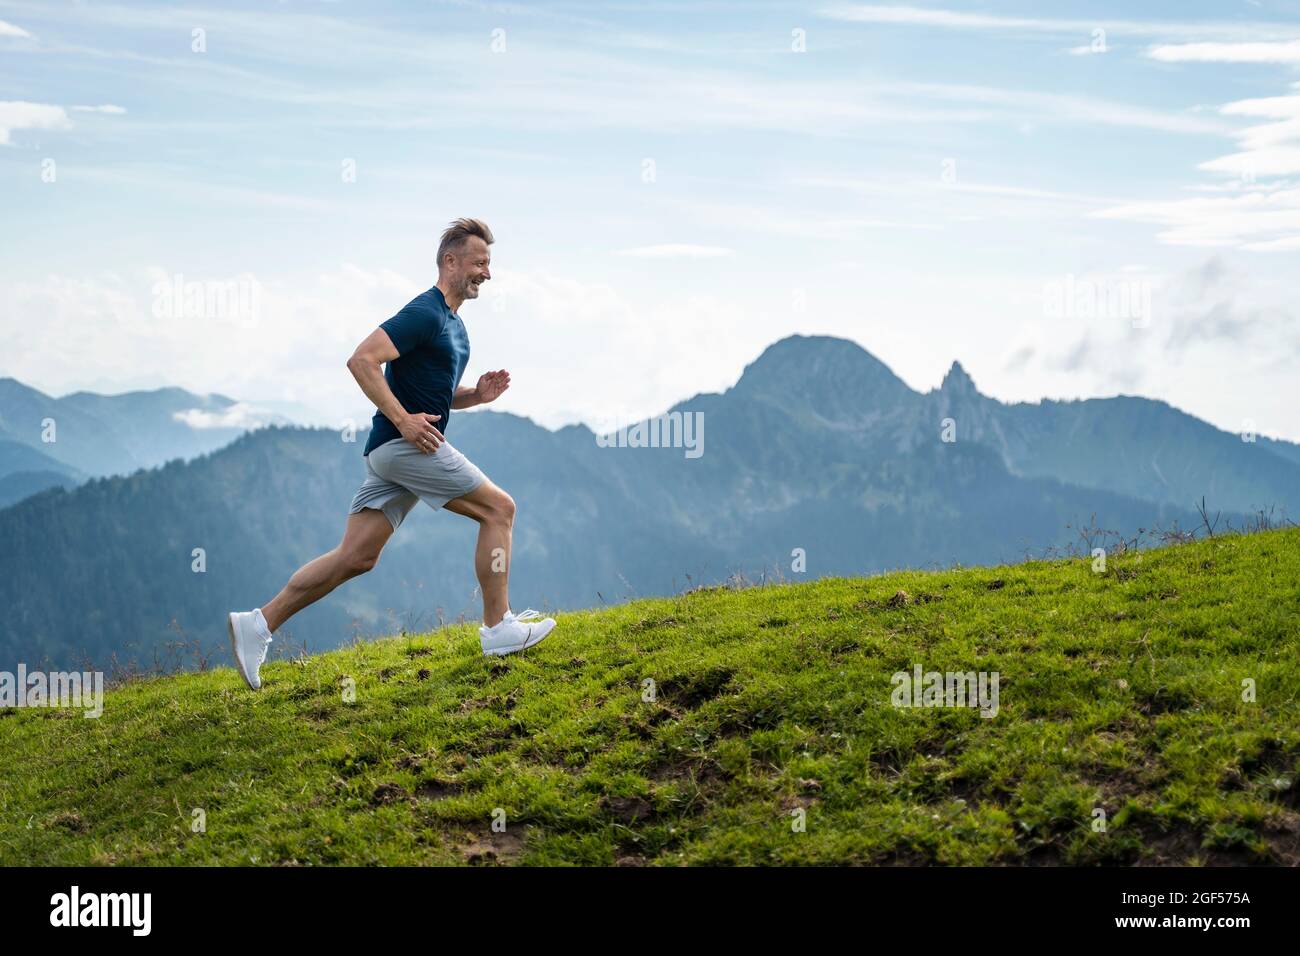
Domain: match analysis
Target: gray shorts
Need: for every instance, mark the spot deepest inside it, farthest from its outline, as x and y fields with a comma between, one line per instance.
x=399, y=475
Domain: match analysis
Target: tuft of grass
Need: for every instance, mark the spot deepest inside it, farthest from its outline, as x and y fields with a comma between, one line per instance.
x=1121, y=693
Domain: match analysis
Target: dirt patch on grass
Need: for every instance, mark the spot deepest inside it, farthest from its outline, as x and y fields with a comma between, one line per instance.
x=890, y=761
x=1282, y=834
x=69, y=820
x=500, y=703
x=487, y=848
x=1046, y=853
x=649, y=624
x=321, y=714
x=797, y=801
x=703, y=771
x=1178, y=847
x=642, y=723
x=435, y=789
x=387, y=793
x=1163, y=700
x=689, y=691
x=1182, y=843
x=626, y=810
x=899, y=599
x=902, y=856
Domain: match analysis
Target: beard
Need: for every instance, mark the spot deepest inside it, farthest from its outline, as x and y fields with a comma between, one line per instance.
x=469, y=290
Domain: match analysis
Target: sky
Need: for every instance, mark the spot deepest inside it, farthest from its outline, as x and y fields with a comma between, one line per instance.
x=1073, y=200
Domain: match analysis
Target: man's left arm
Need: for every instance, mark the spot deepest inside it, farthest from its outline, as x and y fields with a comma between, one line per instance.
x=489, y=388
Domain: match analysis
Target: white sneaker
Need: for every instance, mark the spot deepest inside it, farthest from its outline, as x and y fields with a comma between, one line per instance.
x=515, y=632
x=249, y=639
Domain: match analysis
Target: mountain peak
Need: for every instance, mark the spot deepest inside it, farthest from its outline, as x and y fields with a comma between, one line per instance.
x=832, y=378
x=958, y=382
x=805, y=355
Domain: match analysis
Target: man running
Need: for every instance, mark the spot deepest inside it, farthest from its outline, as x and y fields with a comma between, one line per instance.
x=408, y=459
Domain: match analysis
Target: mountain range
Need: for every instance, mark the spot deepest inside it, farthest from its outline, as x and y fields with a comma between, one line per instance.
x=818, y=450
x=47, y=442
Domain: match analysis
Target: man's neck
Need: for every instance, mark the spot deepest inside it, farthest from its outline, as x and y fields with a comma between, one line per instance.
x=454, y=300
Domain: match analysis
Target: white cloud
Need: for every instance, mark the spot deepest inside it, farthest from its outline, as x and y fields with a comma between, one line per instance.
x=1251, y=211
x=16, y=114
x=10, y=30
x=157, y=179
x=1216, y=221
x=1227, y=52
x=543, y=327
x=1269, y=149
x=1289, y=244
x=538, y=325
x=1276, y=161
x=903, y=15
x=1058, y=107
x=1238, y=186
x=295, y=350
x=1203, y=320
x=238, y=415
x=676, y=251
x=942, y=191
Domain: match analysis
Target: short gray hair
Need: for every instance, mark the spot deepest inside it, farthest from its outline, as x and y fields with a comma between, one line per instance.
x=458, y=233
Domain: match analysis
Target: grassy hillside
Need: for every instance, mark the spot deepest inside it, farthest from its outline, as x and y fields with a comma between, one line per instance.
x=1119, y=690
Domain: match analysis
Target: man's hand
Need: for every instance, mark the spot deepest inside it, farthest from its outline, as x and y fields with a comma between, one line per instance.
x=419, y=431
x=491, y=385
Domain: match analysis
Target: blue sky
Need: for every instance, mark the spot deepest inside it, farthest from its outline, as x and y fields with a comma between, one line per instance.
x=673, y=186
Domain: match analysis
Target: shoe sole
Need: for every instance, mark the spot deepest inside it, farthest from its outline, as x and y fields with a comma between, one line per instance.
x=530, y=642
x=234, y=649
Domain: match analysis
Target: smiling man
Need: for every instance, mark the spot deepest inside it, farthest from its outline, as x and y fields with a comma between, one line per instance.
x=426, y=349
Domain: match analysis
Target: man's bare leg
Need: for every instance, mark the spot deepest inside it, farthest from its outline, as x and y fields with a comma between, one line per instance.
x=365, y=536
x=494, y=510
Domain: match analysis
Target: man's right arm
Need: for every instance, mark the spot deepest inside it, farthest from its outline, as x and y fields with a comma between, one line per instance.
x=367, y=367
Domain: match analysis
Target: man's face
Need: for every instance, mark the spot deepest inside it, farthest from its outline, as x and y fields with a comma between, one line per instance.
x=471, y=267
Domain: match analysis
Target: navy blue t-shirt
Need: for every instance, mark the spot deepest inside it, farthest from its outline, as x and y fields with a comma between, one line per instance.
x=433, y=350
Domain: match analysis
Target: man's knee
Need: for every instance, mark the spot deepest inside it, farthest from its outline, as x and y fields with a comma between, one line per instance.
x=359, y=561
x=497, y=507
x=504, y=509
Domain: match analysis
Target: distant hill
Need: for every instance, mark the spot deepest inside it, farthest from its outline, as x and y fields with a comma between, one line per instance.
x=818, y=450
x=24, y=471
x=99, y=435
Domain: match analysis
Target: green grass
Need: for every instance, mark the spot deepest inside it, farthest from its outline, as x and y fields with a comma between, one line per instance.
x=1120, y=691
